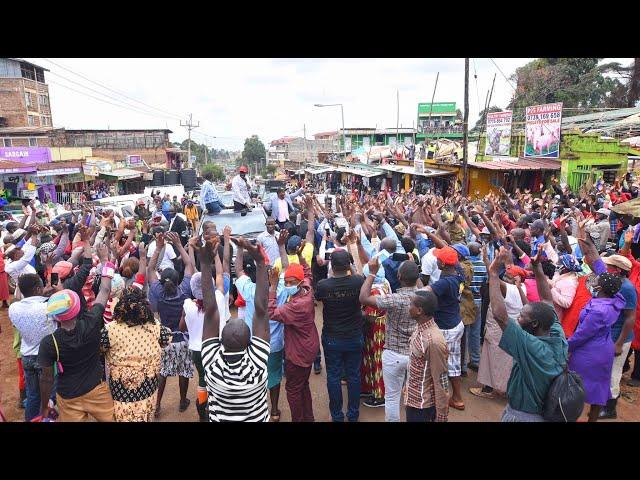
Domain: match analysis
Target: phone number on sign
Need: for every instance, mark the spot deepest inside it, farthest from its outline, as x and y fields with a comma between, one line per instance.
x=543, y=116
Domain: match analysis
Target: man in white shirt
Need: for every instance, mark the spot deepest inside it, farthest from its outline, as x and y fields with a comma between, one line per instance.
x=20, y=258
x=269, y=240
x=29, y=317
x=240, y=188
x=430, y=271
x=167, y=257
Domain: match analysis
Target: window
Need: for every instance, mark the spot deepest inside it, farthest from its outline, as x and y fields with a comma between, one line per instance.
x=44, y=100
x=33, y=142
x=7, y=142
x=44, y=121
x=40, y=75
x=27, y=99
x=27, y=71
x=31, y=120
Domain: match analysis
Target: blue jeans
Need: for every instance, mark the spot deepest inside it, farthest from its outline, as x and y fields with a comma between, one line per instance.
x=214, y=207
x=472, y=334
x=343, y=354
x=32, y=386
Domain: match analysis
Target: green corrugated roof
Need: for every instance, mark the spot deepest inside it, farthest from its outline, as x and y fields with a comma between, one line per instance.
x=438, y=107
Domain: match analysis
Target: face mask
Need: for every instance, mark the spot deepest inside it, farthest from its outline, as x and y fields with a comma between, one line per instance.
x=554, y=215
x=291, y=291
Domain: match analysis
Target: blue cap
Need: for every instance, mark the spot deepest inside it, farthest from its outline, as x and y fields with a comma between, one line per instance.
x=462, y=249
x=294, y=243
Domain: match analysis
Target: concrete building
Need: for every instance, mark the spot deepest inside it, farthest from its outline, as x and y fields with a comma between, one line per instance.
x=367, y=137
x=438, y=120
x=294, y=152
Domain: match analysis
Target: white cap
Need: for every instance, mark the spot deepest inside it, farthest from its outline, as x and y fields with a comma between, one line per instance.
x=604, y=211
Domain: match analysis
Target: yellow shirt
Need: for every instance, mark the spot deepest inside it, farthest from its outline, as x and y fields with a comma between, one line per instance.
x=191, y=213
x=307, y=254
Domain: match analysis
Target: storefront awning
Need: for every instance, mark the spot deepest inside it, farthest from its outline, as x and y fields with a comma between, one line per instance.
x=9, y=167
x=123, y=174
x=318, y=171
x=359, y=172
x=404, y=169
x=59, y=168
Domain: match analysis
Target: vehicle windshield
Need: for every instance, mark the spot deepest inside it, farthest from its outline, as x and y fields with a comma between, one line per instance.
x=250, y=225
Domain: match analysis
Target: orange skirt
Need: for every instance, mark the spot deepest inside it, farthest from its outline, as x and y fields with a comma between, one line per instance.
x=4, y=287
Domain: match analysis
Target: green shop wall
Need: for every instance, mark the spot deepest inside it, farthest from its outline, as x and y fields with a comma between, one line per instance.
x=357, y=141
x=582, y=155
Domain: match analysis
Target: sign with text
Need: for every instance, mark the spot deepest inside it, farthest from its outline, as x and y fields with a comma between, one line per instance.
x=26, y=154
x=134, y=160
x=542, y=130
x=498, y=140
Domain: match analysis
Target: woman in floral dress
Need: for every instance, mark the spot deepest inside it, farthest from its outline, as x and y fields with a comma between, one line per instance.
x=133, y=343
x=372, y=385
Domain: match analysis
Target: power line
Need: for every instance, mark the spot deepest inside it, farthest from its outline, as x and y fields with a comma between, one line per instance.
x=109, y=96
x=111, y=89
x=103, y=100
x=501, y=73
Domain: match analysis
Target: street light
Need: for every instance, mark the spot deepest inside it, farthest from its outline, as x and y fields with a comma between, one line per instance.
x=344, y=142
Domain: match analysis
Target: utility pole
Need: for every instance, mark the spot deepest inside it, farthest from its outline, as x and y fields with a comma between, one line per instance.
x=465, y=177
x=206, y=147
x=304, y=159
x=190, y=126
x=432, y=97
x=397, y=118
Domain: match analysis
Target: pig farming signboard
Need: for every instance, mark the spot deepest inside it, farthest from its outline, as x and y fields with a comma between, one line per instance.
x=542, y=130
x=498, y=133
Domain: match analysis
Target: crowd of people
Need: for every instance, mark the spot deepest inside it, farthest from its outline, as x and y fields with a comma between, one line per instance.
x=415, y=291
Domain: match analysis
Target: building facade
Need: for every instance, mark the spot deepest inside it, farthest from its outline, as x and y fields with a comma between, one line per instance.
x=369, y=137
x=294, y=152
x=24, y=95
x=438, y=120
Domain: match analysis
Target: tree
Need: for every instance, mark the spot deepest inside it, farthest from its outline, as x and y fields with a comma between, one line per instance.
x=269, y=170
x=254, y=152
x=627, y=92
x=216, y=170
x=577, y=82
x=459, y=115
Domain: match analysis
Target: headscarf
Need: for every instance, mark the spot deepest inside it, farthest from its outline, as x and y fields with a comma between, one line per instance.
x=63, y=269
x=570, y=263
x=516, y=271
x=47, y=248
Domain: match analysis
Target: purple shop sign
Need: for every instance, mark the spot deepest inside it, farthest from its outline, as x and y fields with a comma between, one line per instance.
x=26, y=154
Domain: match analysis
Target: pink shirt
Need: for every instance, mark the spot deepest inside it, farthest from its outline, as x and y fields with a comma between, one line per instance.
x=563, y=291
x=532, y=289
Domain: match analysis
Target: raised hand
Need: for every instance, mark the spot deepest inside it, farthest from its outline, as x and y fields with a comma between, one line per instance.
x=142, y=250
x=254, y=250
x=274, y=278
x=374, y=266
x=282, y=239
x=173, y=238
x=226, y=233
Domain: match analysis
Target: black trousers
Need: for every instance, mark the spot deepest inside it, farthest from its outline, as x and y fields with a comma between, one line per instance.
x=635, y=374
x=421, y=414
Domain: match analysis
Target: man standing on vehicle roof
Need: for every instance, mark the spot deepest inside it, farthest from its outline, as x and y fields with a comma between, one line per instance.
x=240, y=187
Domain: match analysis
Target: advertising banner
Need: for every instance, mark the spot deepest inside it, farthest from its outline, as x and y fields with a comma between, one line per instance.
x=134, y=160
x=498, y=133
x=542, y=130
x=25, y=154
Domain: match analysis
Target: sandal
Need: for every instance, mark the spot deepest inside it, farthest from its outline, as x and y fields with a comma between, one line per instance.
x=457, y=406
x=275, y=417
x=185, y=405
x=477, y=391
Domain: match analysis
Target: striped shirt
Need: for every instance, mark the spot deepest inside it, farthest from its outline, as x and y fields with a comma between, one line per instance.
x=427, y=374
x=236, y=382
x=479, y=276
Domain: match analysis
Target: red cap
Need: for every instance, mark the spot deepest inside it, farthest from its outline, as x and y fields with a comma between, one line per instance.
x=294, y=270
x=447, y=255
x=244, y=169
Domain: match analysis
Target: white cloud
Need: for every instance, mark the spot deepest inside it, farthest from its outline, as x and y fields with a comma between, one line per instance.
x=235, y=98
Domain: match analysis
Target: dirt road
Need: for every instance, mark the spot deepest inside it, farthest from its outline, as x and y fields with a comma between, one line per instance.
x=477, y=409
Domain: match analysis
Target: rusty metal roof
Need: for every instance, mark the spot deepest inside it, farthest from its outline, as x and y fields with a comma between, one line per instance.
x=520, y=163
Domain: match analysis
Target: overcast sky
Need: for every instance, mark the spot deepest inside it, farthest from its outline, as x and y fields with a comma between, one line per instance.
x=235, y=98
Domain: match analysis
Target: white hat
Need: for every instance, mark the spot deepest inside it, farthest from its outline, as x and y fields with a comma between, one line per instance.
x=485, y=231
x=19, y=232
x=604, y=211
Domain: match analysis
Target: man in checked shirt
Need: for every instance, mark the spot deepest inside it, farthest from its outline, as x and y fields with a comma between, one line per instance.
x=427, y=388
